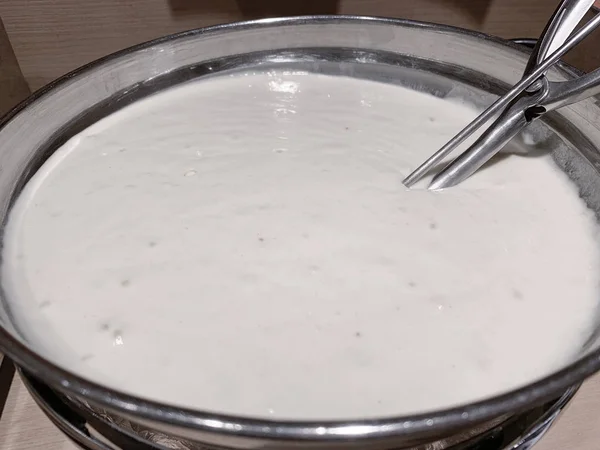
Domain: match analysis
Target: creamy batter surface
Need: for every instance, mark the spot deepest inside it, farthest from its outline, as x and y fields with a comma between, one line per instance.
x=244, y=245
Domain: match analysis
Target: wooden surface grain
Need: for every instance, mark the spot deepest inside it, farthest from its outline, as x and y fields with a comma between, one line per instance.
x=13, y=87
x=24, y=426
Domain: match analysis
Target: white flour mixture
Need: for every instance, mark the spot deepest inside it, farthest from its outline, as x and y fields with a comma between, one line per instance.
x=244, y=245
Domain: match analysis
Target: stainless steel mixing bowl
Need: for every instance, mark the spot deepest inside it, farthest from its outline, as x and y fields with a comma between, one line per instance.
x=92, y=429
x=444, y=61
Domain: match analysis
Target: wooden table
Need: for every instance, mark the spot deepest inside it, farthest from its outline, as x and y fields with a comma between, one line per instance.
x=23, y=426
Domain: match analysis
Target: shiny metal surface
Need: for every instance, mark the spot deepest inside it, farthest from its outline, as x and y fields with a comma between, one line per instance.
x=503, y=130
x=518, y=114
x=92, y=431
x=558, y=29
x=548, y=97
x=500, y=133
x=446, y=62
x=564, y=94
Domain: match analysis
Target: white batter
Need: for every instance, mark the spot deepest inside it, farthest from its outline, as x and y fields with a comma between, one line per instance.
x=245, y=245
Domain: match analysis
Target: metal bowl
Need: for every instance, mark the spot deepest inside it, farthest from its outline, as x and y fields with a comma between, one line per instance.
x=444, y=61
x=91, y=429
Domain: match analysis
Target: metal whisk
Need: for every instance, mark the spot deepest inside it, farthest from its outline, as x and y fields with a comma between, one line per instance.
x=529, y=99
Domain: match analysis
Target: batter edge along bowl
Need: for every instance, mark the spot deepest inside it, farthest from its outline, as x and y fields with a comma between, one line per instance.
x=444, y=61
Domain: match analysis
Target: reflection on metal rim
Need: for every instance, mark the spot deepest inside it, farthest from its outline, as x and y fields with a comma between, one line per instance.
x=95, y=430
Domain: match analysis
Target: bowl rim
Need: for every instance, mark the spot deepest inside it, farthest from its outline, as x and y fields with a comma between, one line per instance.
x=183, y=418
